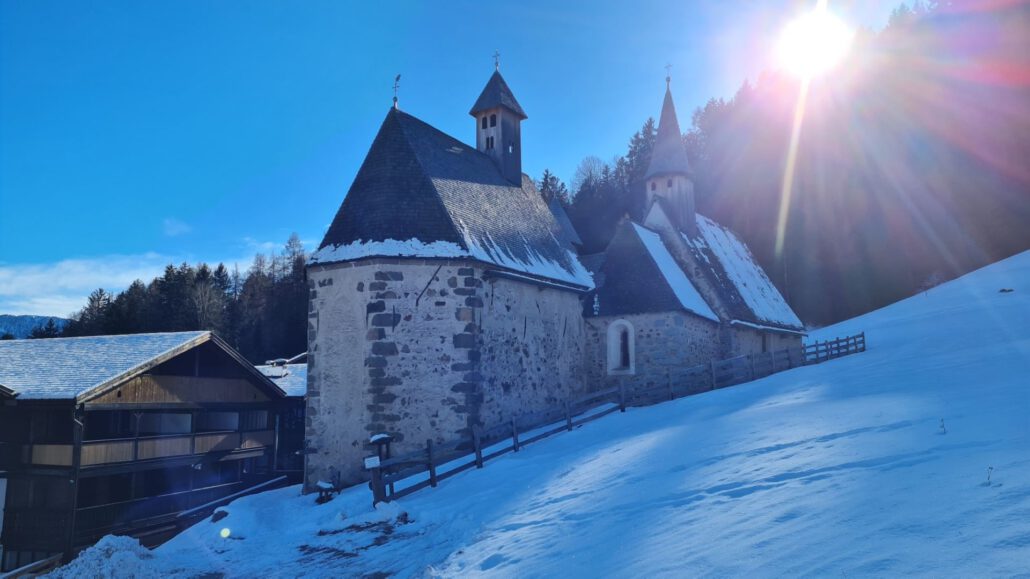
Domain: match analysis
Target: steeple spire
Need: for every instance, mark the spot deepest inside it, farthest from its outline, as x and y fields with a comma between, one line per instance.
x=498, y=118
x=668, y=173
x=669, y=156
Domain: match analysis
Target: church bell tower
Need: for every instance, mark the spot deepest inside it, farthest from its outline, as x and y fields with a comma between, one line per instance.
x=498, y=127
x=668, y=174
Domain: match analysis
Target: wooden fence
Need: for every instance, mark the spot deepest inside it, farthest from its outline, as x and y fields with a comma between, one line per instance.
x=436, y=462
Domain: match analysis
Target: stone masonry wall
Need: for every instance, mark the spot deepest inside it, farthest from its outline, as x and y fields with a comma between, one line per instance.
x=424, y=349
x=665, y=344
x=533, y=349
x=670, y=342
x=750, y=341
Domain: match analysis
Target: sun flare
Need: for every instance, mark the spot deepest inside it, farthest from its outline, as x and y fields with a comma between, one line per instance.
x=814, y=43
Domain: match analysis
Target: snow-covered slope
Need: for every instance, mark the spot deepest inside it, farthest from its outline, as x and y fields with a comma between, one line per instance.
x=840, y=470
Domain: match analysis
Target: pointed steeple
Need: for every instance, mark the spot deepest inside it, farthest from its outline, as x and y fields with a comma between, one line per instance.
x=669, y=157
x=668, y=174
x=498, y=126
x=497, y=94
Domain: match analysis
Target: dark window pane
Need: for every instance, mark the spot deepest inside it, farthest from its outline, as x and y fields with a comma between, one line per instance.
x=218, y=421
x=255, y=420
x=153, y=423
x=108, y=424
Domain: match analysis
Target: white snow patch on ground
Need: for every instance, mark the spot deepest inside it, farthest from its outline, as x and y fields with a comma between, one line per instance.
x=836, y=470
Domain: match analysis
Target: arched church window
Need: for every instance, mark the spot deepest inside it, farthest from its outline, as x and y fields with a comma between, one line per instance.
x=493, y=120
x=483, y=124
x=669, y=183
x=654, y=185
x=621, y=348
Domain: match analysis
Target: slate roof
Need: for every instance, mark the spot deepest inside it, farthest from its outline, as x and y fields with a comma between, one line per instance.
x=641, y=276
x=496, y=93
x=292, y=378
x=70, y=368
x=423, y=193
x=744, y=289
x=566, y=231
x=669, y=156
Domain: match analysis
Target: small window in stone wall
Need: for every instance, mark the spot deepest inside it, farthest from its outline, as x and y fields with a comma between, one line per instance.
x=621, y=348
x=493, y=120
x=484, y=121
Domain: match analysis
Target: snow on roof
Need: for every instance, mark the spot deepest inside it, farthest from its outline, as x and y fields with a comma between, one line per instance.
x=422, y=193
x=673, y=274
x=738, y=272
x=292, y=378
x=65, y=368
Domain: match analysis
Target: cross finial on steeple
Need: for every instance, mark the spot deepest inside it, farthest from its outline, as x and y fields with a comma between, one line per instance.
x=396, y=85
x=668, y=75
x=497, y=60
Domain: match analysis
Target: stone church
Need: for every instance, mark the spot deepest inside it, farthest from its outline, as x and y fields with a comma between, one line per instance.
x=448, y=293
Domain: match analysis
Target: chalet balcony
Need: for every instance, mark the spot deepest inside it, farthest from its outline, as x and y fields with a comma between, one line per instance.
x=105, y=452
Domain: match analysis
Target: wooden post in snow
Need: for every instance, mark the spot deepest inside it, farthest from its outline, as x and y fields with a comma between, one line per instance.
x=514, y=436
x=477, y=444
x=432, y=467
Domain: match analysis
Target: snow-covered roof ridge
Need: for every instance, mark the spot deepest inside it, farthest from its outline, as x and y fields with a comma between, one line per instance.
x=749, y=294
x=66, y=368
x=79, y=368
x=422, y=193
x=673, y=274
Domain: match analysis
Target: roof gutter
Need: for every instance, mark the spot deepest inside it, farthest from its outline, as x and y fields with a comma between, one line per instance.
x=768, y=328
x=498, y=273
x=7, y=392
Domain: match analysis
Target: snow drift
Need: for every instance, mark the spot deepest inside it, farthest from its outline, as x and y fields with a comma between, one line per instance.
x=872, y=465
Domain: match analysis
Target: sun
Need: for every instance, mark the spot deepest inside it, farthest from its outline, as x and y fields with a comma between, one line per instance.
x=814, y=43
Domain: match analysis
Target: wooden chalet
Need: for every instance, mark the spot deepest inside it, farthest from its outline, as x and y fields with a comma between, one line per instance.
x=292, y=377
x=130, y=434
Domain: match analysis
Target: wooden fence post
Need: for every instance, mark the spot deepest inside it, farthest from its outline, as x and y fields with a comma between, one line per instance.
x=376, y=484
x=432, y=467
x=568, y=416
x=477, y=444
x=668, y=381
x=711, y=368
x=514, y=436
x=622, y=396
x=751, y=358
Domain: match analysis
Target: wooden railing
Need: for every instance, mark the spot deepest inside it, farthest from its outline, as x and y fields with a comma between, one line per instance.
x=100, y=452
x=436, y=462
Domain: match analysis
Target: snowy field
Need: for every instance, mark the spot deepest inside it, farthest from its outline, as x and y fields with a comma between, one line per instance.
x=841, y=470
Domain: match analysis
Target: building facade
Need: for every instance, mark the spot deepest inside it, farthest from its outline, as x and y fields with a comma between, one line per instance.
x=125, y=435
x=447, y=293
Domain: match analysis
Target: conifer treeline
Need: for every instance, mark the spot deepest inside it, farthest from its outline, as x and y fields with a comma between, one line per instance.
x=262, y=312
x=910, y=166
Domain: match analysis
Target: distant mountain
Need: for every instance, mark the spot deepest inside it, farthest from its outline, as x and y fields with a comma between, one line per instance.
x=21, y=326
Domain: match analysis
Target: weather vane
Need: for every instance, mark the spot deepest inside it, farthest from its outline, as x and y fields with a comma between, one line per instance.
x=668, y=73
x=497, y=60
x=396, y=85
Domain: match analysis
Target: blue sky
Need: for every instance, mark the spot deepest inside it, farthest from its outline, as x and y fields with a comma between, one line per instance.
x=137, y=133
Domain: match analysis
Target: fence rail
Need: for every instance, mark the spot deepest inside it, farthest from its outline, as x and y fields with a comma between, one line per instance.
x=437, y=462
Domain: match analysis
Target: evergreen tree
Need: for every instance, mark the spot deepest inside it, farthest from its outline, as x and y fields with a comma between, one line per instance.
x=551, y=187
x=47, y=330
